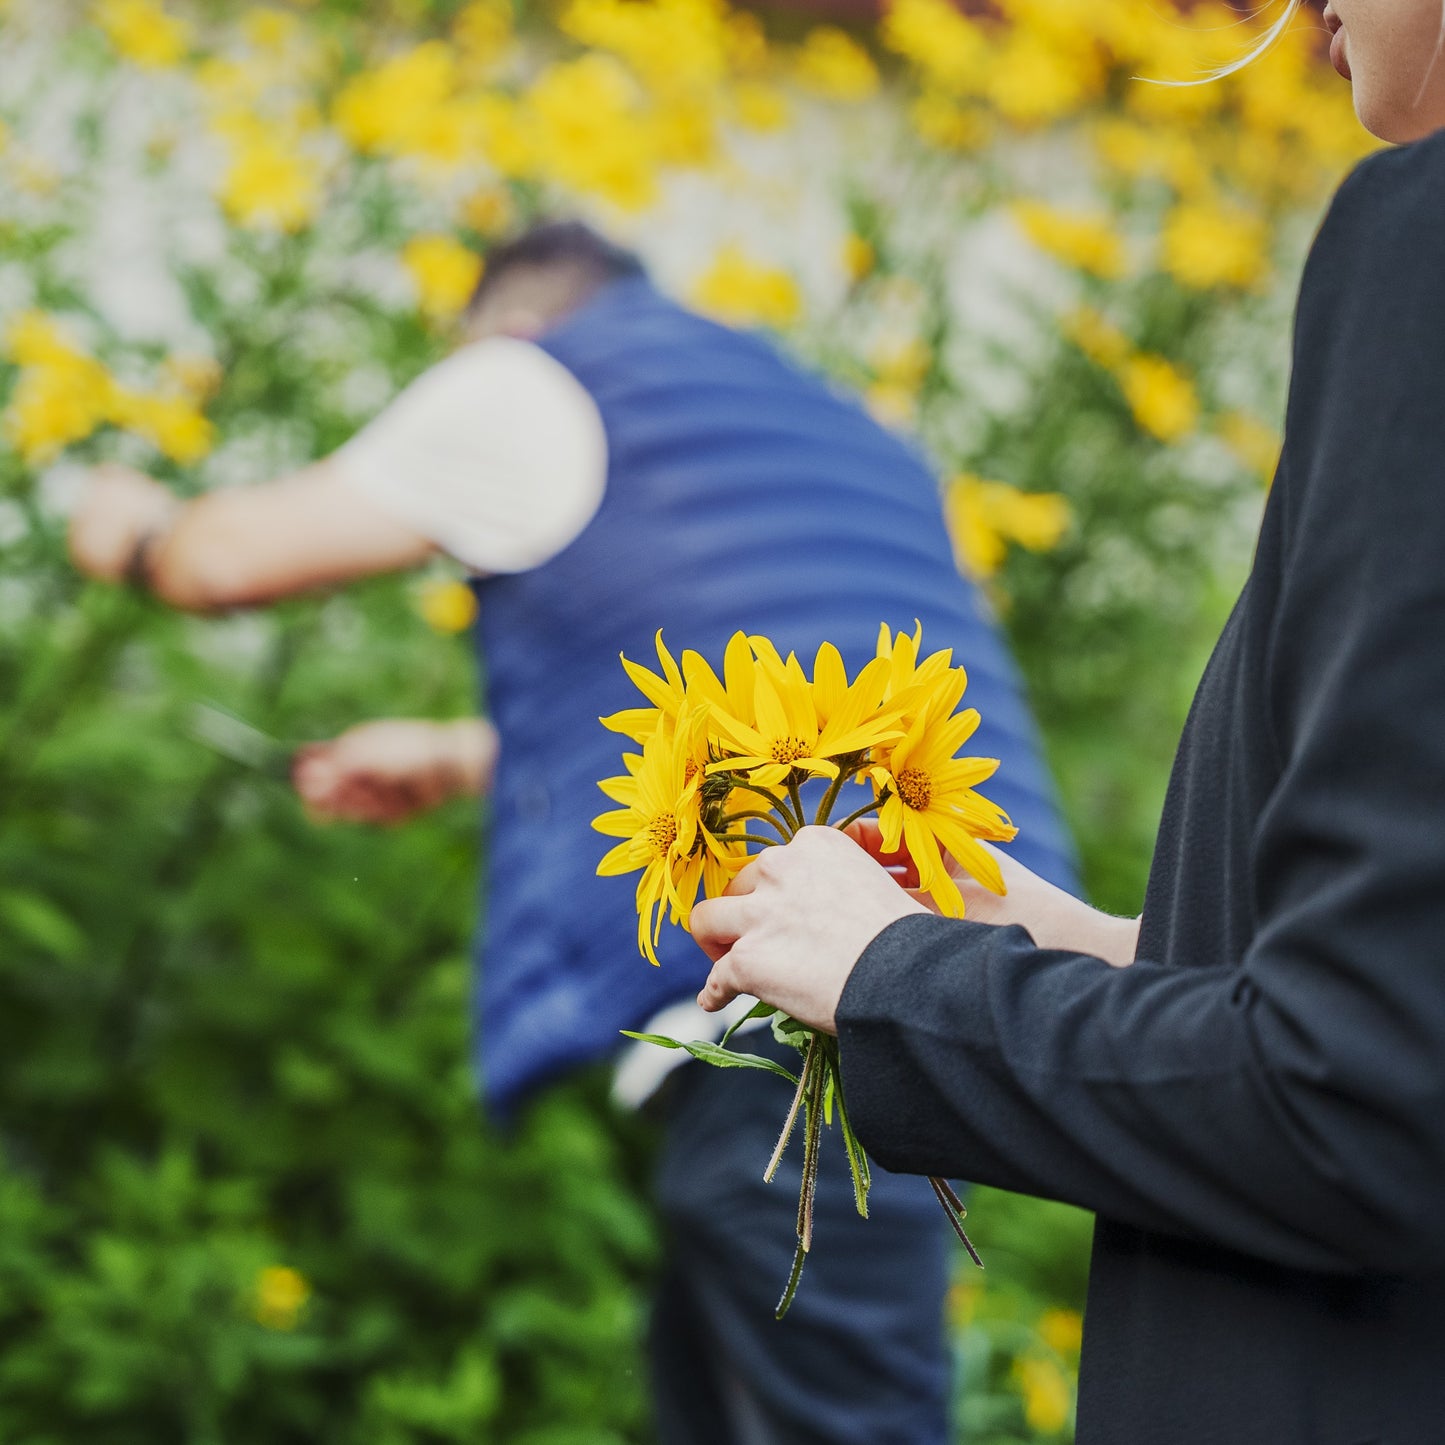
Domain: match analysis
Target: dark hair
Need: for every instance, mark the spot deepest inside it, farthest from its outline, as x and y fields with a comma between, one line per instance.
x=564, y=245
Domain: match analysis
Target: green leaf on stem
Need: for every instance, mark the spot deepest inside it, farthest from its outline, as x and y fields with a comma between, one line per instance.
x=714, y=1054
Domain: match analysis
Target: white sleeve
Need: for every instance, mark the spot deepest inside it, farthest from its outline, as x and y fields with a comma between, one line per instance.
x=497, y=454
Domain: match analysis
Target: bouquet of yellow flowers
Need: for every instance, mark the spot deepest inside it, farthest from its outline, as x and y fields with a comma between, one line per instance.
x=722, y=772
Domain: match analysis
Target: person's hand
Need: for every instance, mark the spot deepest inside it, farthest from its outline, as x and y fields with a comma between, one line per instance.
x=391, y=770
x=118, y=508
x=1052, y=918
x=793, y=923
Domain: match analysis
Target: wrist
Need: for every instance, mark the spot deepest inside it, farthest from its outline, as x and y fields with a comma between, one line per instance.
x=137, y=570
x=469, y=754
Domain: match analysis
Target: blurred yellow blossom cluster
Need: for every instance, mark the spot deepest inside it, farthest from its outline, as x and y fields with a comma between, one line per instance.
x=63, y=394
x=986, y=517
x=280, y=1296
x=743, y=292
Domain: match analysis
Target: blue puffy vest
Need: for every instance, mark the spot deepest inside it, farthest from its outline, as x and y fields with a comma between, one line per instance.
x=741, y=494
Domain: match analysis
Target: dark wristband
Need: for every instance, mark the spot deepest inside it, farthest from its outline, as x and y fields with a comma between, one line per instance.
x=138, y=565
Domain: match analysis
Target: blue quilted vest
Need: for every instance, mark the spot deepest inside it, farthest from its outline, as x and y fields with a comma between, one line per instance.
x=741, y=493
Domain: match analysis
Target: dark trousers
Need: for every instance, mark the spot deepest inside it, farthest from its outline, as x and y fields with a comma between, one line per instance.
x=862, y=1355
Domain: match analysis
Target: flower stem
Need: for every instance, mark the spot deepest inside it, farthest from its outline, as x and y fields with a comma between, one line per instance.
x=797, y=797
x=794, y=820
x=770, y=818
x=831, y=796
x=792, y=1118
x=750, y=838
x=953, y=1208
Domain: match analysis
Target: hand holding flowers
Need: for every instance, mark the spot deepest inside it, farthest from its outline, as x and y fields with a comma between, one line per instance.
x=720, y=784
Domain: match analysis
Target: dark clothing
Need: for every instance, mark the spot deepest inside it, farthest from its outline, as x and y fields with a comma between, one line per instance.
x=742, y=494
x=861, y=1357
x=1256, y=1108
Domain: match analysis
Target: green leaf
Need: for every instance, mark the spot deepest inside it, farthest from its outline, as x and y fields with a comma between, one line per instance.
x=758, y=1011
x=713, y=1054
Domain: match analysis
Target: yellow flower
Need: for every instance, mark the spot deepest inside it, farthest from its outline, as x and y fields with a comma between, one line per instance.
x=1088, y=242
x=832, y=64
x=1204, y=245
x=984, y=517
x=445, y=273
x=281, y=1293
x=400, y=107
x=489, y=211
x=1254, y=443
x=589, y=133
x=947, y=46
x=927, y=794
x=662, y=834
x=759, y=106
x=859, y=258
x=173, y=424
x=1032, y=82
x=269, y=184
x=483, y=29
x=270, y=30
x=62, y=394
x=740, y=291
x=142, y=32
x=1046, y=1394
x=670, y=44
x=1161, y=397
x=1097, y=337
x=797, y=724
x=943, y=122
x=447, y=605
x=1062, y=1331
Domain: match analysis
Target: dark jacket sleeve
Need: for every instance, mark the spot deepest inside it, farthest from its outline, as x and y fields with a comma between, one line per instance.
x=1290, y=1104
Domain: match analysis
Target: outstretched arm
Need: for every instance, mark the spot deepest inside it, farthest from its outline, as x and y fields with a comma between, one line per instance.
x=392, y=769
x=241, y=546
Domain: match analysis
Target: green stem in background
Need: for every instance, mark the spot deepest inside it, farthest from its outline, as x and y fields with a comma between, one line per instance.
x=750, y=838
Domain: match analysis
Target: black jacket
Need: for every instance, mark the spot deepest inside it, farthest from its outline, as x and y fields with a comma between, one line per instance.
x=1255, y=1108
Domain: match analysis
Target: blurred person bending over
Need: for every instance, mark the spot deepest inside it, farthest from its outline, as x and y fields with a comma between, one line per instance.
x=606, y=463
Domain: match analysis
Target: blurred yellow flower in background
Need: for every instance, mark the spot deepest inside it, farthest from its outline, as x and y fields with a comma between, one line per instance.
x=1062, y=1330
x=1096, y=336
x=279, y=1296
x=859, y=257
x=447, y=605
x=270, y=184
x=64, y=395
x=1047, y=1393
x=174, y=425
x=1254, y=443
x=831, y=63
x=1089, y=242
x=143, y=32
x=445, y=274
x=743, y=292
x=1161, y=397
x=760, y=106
x=984, y=518
x=1204, y=245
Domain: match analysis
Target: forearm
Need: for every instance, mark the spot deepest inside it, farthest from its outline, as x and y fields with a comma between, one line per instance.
x=247, y=546
x=1145, y=1094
